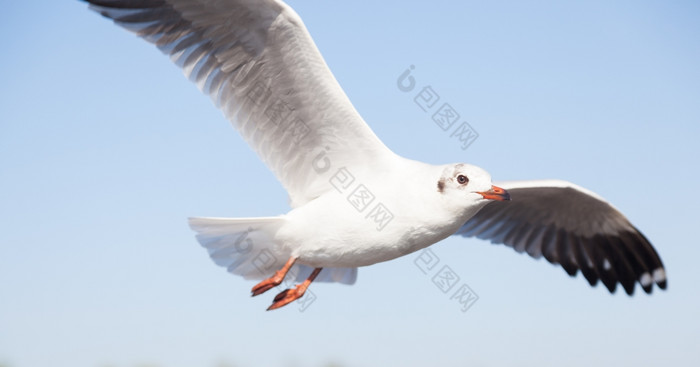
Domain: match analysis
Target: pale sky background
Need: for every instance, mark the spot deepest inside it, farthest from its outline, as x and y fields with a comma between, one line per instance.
x=106, y=149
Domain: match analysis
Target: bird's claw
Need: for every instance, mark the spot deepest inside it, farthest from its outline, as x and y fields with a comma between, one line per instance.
x=263, y=287
x=274, y=280
x=287, y=296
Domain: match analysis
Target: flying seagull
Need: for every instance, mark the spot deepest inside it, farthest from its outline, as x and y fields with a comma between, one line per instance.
x=353, y=201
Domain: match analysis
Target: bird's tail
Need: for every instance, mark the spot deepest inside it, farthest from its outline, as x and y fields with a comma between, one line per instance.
x=247, y=247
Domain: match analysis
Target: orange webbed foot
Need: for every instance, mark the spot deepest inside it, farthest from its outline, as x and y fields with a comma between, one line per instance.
x=289, y=295
x=274, y=280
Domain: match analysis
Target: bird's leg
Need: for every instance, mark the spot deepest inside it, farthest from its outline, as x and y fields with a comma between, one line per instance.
x=274, y=280
x=289, y=295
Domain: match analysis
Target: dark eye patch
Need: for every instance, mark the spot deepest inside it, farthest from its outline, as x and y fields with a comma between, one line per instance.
x=441, y=185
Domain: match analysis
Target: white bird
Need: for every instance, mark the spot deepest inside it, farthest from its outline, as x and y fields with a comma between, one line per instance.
x=355, y=202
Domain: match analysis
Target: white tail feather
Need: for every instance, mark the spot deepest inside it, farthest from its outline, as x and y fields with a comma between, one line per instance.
x=246, y=247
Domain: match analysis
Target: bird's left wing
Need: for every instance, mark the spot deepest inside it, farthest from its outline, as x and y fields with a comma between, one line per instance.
x=571, y=226
x=258, y=63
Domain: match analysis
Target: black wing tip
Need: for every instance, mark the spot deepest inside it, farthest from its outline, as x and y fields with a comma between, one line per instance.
x=646, y=282
x=570, y=269
x=628, y=287
x=629, y=258
x=610, y=284
x=659, y=275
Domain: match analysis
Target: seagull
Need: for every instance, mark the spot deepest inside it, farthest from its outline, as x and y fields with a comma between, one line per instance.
x=353, y=201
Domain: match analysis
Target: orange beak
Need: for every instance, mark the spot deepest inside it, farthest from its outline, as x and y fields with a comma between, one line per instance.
x=496, y=193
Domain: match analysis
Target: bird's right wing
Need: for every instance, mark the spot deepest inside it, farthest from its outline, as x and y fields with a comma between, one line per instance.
x=573, y=227
x=258, y=63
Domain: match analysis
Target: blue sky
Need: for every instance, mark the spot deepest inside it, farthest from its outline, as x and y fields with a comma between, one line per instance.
x=106, y=149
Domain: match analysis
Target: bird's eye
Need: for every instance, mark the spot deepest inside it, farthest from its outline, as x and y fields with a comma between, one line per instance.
x=462, y=179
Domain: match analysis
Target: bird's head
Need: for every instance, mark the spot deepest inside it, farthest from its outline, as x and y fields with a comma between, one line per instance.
x=469, y=186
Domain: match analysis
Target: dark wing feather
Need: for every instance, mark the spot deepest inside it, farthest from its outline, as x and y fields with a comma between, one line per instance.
x=573, y=227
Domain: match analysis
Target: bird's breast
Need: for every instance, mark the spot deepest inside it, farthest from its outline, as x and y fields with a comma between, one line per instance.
x=329, y=232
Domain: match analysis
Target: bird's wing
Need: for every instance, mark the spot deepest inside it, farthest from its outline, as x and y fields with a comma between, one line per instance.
x=258, y=63
x=571, y=226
